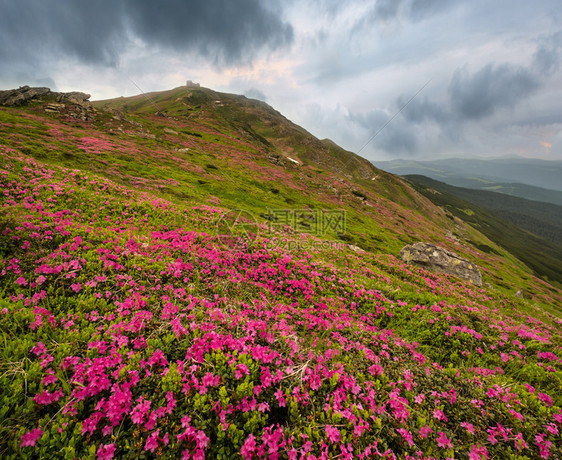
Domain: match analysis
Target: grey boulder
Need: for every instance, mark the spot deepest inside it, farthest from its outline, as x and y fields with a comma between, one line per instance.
x=440, y=260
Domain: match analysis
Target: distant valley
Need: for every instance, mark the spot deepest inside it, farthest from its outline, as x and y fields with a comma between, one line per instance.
x=532, y=179
x=531, y=230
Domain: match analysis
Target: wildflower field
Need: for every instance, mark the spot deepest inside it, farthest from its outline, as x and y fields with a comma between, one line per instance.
x=132, y=327
x=130, y=330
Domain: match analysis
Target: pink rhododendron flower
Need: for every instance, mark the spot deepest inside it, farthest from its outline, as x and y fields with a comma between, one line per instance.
x=152, y=441
x=530, y=388
x=516, y=414
x=21, y=281
x=468, y=426
x=46, y=397
x=478, y=453
x=31, y=437
x=406, y=435
x=519, y=442
x=547, y=356
x=375, y=369
x=333, y=433
x=201, y=439
x=425, y=431
x=544, y=445
x=281, y=398
x=140, y=410
x=185, y=421
x=443, y=441
x=545, y=399
x=210, y=380
x=248, y=447
x=241, y=370
x=49, y=379
x=105, y=452
x=39, y=349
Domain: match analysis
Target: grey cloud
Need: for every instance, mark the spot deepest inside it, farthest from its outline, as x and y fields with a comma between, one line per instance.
x=470, y=97
x=419, y=9
x=98, y=32
x=386, y=9
x=396, y=137
x=540, y=120
x=414, y=10
x=255, y=93
x=331, y=7
x=226, y=31
x=420, y=110
x=33, y=29
x=548, y=55
x=491, y=88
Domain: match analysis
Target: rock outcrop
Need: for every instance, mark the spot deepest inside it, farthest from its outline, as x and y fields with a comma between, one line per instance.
x=75, y=97
x=438, y=259
x=14, y=97
x=74, y=104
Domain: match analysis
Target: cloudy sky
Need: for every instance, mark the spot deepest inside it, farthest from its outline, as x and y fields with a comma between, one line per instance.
x=454, y=77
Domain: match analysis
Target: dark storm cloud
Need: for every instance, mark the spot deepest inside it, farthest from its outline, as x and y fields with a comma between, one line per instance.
x=491, y=88
x=98, y=32
x=470, y=97
x=31, y=30
x=227, y=31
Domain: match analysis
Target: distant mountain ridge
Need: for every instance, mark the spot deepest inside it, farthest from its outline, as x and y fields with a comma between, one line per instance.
x=527, y=178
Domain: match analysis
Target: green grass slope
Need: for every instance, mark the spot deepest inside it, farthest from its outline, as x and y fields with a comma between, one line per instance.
x=130, y=329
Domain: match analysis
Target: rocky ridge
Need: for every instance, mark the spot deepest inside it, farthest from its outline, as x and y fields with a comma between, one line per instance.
x=75, y=103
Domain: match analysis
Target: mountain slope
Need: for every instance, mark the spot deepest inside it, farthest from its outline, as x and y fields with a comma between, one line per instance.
x=255, y=122
x=136, y=329
x=212, y=151
x=194, y=144
x=496, y=216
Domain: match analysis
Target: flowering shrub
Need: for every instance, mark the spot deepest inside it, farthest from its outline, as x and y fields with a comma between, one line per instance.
x=128, y=331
